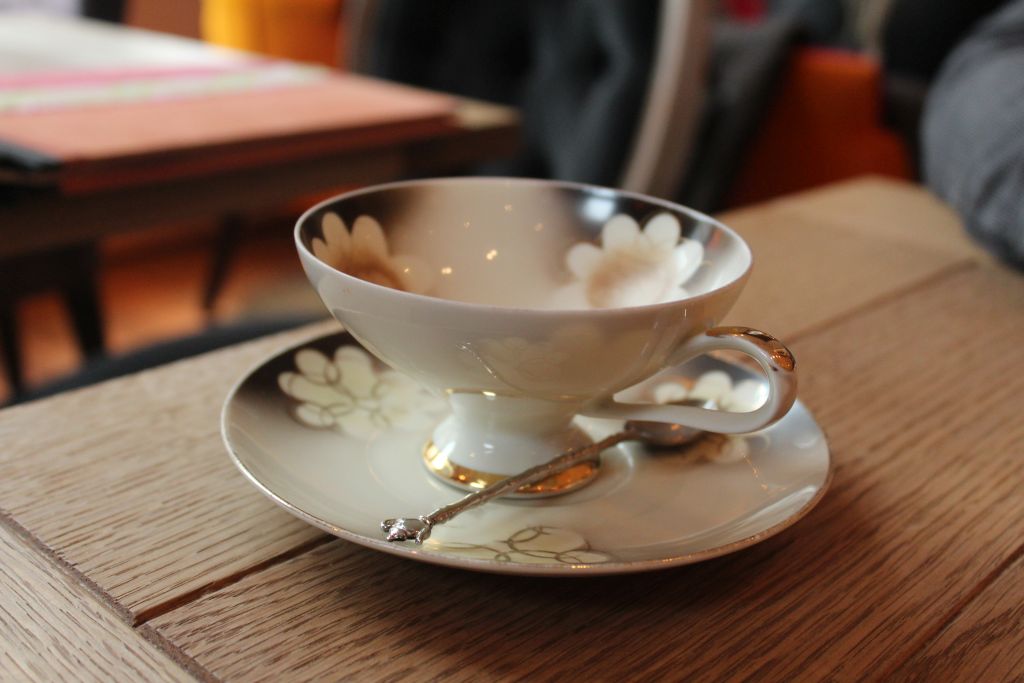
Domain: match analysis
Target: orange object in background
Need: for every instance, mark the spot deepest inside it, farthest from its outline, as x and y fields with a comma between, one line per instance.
x=303, y=30
x=824, y=125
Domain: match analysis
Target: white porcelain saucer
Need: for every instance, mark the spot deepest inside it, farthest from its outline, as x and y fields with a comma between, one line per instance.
x=335, y=438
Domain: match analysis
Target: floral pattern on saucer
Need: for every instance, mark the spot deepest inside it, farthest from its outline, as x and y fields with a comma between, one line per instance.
x=530, y=545
x=348, y=394
x=364, y=253
x=717, y=386
x=634, y=267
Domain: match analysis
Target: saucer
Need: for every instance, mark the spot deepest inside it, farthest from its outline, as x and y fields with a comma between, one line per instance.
x=336, y=438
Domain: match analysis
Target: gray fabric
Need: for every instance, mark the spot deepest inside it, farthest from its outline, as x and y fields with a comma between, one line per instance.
x=973, y=133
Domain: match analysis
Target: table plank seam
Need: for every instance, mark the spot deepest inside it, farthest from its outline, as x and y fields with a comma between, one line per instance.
x=174, y=603
x=890, y=296
x=942, y=624
x=7, y=520
x=177, y=655
x=138, y=619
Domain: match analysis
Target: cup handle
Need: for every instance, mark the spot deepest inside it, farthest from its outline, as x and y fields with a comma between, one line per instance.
x=772, y=355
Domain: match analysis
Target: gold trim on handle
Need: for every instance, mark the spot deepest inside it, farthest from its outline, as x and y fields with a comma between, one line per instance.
x=777, y=351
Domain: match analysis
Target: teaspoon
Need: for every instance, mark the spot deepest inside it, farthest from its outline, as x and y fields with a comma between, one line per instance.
x=655, y=434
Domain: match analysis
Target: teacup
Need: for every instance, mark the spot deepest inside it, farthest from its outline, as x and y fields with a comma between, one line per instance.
x=527, y=303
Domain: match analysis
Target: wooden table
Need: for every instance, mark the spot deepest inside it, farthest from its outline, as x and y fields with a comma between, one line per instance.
x=131, y=549
x=196, y=151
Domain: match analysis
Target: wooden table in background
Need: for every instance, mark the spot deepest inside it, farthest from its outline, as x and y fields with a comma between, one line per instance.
x=130, y=548
x=178, y=130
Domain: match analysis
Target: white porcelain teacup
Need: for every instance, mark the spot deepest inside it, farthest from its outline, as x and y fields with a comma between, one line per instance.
x=529, y=302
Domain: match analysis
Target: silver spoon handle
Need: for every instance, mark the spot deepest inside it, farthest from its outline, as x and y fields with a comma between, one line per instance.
x=418, y=528
x=524, y=478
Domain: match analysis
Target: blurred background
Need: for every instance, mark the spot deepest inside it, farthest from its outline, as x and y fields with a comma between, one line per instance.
x=713, y=103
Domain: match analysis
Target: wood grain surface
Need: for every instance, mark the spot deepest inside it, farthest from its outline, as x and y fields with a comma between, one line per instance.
x=984, y=643
x=128, y=483
x=883, y=209
x=52, y=629
x=822, y=254
x=908, y=351
x=808, y=272
x=926, y=504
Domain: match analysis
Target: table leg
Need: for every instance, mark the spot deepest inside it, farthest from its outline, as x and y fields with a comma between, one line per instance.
x=84, y=306
x=228, y=233
x=9, y=349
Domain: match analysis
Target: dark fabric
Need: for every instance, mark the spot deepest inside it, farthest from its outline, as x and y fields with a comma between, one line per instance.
x=903, y=101
x=919, y=34
x=106, y=10
x=748, y=63
x=973, y=133
x=821, y=22
x=577, y=69
x=467, y=47
x=167, y=352
x=592, y=62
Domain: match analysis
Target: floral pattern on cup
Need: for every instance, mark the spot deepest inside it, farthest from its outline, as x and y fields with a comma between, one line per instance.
x=364, y=253
x=348, y=394
x=530, y=545
x=717, y=386
x=634, y=267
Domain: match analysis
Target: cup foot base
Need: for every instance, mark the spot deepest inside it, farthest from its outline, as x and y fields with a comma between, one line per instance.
x=469, y=479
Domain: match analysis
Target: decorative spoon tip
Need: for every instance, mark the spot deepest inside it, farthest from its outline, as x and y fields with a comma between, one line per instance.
x=406, y=529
